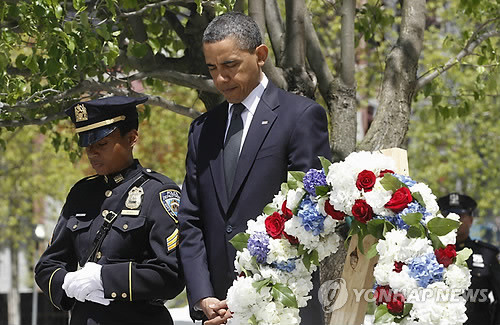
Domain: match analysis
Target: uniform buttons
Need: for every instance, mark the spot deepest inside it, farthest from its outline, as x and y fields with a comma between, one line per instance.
x=75, y=226
x=105, y=213
x=113, y=295
x=229, y=229
x=98, y=255
x=124, y=295
x=125, y=227
x=108, y=193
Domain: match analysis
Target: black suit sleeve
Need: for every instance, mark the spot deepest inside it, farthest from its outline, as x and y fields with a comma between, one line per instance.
x=309, y=140
x=192, y=248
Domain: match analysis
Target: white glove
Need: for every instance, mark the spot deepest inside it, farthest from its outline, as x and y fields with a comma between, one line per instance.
x=84, y=281
x=97, y=296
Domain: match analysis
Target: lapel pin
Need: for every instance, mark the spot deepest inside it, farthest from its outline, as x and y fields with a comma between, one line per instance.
x=265, y=122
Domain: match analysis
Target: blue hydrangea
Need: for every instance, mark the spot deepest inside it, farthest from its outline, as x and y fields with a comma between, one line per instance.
x=405, y=180
x=413, y=207
x=312, y=220
x=258, y=246
x=426, y=270
x=313, y=178
x=287, y=266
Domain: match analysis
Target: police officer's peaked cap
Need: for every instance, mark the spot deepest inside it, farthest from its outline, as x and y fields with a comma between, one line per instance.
x=96, y=119
x=456, y=203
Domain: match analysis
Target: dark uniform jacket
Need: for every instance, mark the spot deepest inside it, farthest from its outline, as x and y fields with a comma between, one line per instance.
x=140, y=267
x=287, y=132
x=485, y=272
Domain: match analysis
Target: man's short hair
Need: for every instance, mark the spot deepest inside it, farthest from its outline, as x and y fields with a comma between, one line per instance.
x=234, y=24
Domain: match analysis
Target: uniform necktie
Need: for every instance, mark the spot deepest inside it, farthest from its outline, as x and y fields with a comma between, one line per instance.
x=232, y=145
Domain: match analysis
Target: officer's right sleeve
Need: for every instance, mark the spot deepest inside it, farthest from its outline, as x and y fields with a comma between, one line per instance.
x=192, y=247
x=58, y=259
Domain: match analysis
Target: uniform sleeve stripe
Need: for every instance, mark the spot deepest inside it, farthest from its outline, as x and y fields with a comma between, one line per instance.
x=50, y=286
x=173, y=236
x=130, y=280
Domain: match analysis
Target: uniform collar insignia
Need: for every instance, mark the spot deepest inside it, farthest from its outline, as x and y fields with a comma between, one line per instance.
x=118, y=178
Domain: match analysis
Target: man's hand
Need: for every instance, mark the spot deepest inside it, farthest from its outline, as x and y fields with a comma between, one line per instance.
x=216, y=310
x=80, y=283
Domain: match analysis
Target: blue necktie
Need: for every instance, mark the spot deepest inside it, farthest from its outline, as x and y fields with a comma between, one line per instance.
x=232, y=145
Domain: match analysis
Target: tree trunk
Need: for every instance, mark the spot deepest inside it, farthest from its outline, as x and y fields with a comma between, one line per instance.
x=13, y=297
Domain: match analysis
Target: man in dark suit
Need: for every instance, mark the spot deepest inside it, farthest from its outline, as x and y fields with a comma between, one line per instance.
x=239, y=153
x=483, y=264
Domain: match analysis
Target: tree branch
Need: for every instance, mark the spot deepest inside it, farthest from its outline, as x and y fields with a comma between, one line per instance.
x=199, y=82
x=348, y=55
x=256, y=10
x=469, y=48
x=151, y=6
x=176, y=25
x=295, y=34
x=274, y=25
x=316, y=58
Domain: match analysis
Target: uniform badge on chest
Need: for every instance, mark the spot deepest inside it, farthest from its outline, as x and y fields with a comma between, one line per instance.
x=477, y=260
x=134, y=198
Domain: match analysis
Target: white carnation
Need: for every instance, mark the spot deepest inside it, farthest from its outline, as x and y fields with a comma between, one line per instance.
x=294, y=197
x=457, y=277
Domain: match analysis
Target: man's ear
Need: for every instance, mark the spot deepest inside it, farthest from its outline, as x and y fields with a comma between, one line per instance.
x=132, y=137
x=262, y=51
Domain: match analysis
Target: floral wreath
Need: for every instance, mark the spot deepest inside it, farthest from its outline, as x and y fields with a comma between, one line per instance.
x=419, y=277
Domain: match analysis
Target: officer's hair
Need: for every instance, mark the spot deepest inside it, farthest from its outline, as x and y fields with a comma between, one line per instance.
x=127, y=126
x=234, y=24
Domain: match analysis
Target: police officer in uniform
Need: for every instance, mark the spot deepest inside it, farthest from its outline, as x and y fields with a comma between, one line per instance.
x=483, y=263
x=113, y=257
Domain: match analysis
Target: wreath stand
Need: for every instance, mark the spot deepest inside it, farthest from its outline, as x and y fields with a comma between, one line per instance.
x=358, y=270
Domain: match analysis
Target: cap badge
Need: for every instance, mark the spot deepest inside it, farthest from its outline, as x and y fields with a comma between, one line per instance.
x=134, y=198
x=454, y=199
x=81, y=113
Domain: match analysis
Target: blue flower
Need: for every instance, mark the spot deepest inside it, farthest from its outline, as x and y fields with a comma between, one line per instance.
x=312, y=220
x=287, y=266
x=405, y=180
x=313, y=178
x=413, y=207
x=426, y=270
x=258, y=246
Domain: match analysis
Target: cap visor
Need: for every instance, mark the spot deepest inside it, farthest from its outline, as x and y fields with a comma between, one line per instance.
x=90, y=137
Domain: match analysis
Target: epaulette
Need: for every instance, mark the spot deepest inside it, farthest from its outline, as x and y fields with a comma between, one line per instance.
x=159, y=177
x=88, y=178
x=486, y=245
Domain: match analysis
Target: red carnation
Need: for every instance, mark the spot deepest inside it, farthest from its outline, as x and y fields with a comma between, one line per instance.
x=275, y=224
x=291, y=239
x=398, y=267
x=446, y=255
x=287, y=213
x=382, y=294
x=396, y=304
x=385, y=171
x=335, y=214
x=366, y=180
x=362, y=211
x=399, y=200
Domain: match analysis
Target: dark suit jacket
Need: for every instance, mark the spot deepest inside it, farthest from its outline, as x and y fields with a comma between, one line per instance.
x=288, y=132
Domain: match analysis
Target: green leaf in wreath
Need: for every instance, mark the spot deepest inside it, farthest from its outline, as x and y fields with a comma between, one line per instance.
x=412, y=219
x=417, y=196
x=375, y=227
x=298, y=175
x=285, y=295
x=463, y=256
x=325, y=163
x=436, y=242
x=372, y=251
x=388, y=226
x=382, y=314
x=322, y=190
x=258, y=285
x=240, y=241
x=406, y=309
x=391, y=183
x=253, y=320
x=270, y=209
x=442, y=226
x=286, y=186
x=414, y=232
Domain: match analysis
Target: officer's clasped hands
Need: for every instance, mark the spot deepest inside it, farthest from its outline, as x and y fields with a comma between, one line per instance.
x=86, y=284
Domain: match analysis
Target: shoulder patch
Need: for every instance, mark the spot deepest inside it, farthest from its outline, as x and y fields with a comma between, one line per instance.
x=170, y=200
x=173, y=240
